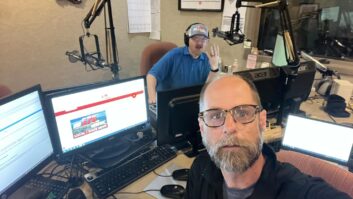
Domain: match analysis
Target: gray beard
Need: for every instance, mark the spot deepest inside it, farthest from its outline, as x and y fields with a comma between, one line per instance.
x=234, y=161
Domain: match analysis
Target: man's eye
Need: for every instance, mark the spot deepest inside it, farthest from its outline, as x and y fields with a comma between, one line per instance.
x=242, y=113
x=215, y=116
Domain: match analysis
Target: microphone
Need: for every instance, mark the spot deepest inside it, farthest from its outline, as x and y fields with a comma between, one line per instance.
x=88, y=58
x=94, y=61
x=74, y=56
x=233, y=36
x=319, y=66
x=229, y=37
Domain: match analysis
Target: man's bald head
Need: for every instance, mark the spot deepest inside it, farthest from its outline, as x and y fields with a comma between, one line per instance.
x=229, y=80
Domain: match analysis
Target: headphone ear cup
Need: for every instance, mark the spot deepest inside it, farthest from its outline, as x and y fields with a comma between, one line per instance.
x=324, y=87
x=186, y=39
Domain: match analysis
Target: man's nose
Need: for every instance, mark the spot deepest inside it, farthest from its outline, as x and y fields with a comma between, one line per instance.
x=229, y=123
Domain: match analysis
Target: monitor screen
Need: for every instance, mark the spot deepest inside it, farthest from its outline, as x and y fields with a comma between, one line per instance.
x=25, y=144
x=92, y=114
x=325, y=140
x=177, y=112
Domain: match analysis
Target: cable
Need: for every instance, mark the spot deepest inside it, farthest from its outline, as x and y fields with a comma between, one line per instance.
x=139, y=192
x=154, y=171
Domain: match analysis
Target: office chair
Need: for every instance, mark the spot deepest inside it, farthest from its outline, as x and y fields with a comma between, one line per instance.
x=152, y=53
x=336, y=176
x=4, y=90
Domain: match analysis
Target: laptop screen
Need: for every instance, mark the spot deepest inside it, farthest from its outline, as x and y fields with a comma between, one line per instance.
x=324, y=140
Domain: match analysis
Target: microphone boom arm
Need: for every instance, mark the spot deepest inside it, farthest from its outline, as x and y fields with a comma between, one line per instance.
x=89, y=19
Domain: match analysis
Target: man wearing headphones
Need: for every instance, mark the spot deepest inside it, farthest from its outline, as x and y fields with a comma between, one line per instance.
x=184, y=66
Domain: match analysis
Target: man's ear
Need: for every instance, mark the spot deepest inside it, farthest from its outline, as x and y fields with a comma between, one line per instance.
x=201, y=125
x=263, y=118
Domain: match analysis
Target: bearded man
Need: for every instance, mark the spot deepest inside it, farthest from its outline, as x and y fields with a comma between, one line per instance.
x=237, y=164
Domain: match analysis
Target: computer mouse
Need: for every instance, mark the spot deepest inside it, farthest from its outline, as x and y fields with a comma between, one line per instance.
x=181, y=174
x=76, y=194
x=174, y=191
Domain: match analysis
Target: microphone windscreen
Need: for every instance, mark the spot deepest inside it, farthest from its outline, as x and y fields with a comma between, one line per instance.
x=74, y=56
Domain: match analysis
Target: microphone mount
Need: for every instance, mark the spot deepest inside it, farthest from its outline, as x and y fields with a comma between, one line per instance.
x=234, y=35
x=95, y=60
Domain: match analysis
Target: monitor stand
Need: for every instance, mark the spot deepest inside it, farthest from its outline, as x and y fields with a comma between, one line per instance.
x=116, y=151
x=109, y=155
x=195, y=145
x=195, y=151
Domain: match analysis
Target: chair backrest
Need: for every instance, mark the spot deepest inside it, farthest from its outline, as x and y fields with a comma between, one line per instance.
x=4, y=90
x=152, y=53
x=335, y=175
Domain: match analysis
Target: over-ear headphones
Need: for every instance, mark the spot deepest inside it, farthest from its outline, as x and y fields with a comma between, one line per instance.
x=186, y=34
x=324, y=86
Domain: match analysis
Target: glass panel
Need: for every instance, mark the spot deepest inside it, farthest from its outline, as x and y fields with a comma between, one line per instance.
x=321, y=27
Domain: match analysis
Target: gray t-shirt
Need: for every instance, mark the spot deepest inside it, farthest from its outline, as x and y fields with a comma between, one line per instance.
x=231, y=193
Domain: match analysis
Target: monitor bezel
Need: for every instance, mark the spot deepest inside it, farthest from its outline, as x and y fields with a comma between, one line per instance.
x=99, y=143
x=20, y=182
x=317, y=155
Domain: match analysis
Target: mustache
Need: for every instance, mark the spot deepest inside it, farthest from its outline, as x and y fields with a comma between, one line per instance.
x=199, y=46
x=232, y=141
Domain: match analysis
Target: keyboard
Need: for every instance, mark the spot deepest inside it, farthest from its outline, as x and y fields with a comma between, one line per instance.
x=47, y=187
x=113, y=180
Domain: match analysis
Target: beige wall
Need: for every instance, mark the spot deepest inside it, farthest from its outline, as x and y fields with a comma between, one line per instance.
x=35, y=34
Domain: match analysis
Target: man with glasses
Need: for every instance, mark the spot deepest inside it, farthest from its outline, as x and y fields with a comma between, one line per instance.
x=237, y=163
x=184, y=66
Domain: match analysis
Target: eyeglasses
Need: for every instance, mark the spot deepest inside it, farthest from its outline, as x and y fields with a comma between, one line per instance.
x=216, y=117
x=199, y=39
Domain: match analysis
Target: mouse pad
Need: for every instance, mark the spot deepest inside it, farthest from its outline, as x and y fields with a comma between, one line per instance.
x=159, y=181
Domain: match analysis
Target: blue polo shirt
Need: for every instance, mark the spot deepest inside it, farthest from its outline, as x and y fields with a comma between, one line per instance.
x=178, y=68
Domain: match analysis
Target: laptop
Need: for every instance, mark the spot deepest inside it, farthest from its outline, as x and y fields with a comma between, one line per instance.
x=325, y=140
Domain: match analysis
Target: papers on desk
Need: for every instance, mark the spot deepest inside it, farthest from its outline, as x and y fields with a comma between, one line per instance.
x=160, y=181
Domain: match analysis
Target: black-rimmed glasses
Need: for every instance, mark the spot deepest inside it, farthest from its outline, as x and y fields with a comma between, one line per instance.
x=243, y=113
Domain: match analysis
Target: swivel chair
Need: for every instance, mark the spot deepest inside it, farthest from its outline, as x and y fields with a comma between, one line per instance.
x=4, y=90
x=152, y=53
x=336, y=176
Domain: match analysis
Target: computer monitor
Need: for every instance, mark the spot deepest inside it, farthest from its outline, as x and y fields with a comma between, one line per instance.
x=49, y=92
x=321, y=139
x=298, y=87
x=25, y=144
x=177, y=112
x=101, y=120
x=282, y=89
x=269, y=83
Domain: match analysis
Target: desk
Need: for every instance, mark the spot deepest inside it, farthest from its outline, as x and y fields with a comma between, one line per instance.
x=181, y=160
x=314, y=108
